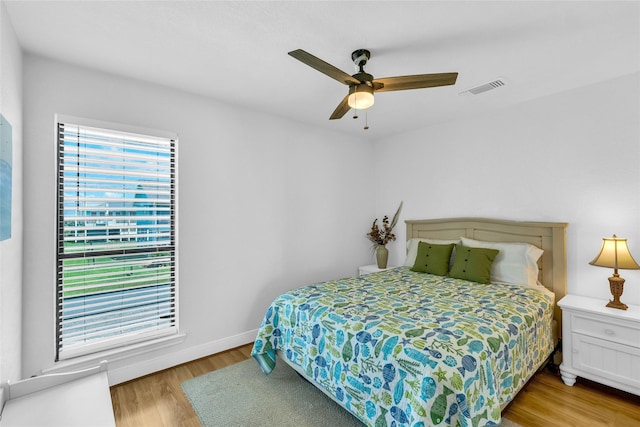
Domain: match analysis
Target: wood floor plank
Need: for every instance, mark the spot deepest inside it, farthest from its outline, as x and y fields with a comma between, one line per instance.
x=157, y=400
x=547, y=401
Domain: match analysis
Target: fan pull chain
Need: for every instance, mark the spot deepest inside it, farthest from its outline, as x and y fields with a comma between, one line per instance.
x=366, y=120
x=355, y=95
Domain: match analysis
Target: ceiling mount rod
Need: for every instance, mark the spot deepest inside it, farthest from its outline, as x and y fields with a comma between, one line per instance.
x=360, y=58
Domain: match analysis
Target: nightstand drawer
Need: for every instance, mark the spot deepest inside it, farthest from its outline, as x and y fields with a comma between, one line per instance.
x=602, y=327
x=605, y=359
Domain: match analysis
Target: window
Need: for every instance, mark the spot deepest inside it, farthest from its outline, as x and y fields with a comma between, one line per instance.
x=116, y=232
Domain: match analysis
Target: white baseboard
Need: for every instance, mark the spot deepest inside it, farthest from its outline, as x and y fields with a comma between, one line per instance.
x=149, y=366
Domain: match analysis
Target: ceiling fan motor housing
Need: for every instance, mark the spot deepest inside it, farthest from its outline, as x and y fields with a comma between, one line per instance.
x=364, y=78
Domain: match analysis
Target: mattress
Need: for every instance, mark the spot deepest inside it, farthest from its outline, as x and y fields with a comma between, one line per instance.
x=405, y=348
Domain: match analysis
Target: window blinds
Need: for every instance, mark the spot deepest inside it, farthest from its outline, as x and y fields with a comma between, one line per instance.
x=116, y=260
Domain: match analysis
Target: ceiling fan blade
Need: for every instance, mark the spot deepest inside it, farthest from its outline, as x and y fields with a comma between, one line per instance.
x=341, y=109
x=323, y=67
x=417, y=81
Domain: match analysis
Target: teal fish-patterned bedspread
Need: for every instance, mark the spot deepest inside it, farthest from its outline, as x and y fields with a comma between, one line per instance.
x=411, y=349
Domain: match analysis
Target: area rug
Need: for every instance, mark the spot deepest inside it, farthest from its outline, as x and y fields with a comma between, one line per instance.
x=241, y=395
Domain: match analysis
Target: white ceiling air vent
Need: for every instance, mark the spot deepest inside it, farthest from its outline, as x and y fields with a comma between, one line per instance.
x=499, y=82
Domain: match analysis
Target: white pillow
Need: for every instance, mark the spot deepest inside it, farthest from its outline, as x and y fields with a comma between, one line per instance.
x=412, y=248
x=515, y=263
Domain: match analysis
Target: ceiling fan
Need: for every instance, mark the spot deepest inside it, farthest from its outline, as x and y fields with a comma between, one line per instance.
x=362, y=85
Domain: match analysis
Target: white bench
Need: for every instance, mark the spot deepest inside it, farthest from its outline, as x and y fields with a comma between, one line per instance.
x=79, y=398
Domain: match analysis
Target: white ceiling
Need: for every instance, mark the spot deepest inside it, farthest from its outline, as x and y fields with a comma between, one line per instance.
x=236, y=51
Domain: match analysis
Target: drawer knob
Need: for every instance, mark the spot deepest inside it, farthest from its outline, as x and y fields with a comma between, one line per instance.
x=609, y=331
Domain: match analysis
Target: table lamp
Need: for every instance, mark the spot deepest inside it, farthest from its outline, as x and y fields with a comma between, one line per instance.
x=615, y=254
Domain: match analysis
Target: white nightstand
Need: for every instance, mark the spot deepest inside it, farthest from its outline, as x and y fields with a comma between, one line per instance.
x=600, y=343
x=368, y=269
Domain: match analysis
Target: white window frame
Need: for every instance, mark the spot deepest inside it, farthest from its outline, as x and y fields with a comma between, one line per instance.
x=125, y=342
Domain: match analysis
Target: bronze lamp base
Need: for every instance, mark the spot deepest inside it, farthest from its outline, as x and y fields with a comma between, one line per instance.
x=616, y=285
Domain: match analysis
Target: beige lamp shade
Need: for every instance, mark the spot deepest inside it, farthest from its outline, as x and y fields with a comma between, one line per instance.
x=615, y=254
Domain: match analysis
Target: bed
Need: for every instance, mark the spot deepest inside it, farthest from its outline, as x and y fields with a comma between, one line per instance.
x=406, y=347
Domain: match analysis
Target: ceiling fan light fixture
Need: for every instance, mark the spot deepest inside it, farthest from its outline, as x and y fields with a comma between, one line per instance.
x=360, y=96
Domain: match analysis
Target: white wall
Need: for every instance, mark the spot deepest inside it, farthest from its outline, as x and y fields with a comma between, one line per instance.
x=11, y=249
x=573, y=157
x=265, y=205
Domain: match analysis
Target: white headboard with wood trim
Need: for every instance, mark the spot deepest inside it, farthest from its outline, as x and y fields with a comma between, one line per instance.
x=548, y=236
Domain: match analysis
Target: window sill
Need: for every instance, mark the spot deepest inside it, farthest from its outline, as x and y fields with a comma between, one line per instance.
x=115, y=354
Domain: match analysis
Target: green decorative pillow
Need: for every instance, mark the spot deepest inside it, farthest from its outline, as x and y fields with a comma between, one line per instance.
x=432, y=258
x=473, y=264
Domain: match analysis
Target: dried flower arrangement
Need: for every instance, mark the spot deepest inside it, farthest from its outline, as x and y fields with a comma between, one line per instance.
x=382, y=236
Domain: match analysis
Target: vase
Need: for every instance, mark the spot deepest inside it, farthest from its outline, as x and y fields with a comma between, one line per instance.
x=382, y=255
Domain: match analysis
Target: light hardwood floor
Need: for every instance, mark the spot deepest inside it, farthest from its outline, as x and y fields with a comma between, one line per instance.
x=157, y=400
